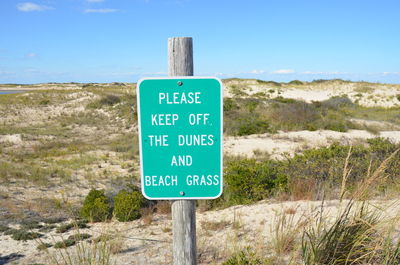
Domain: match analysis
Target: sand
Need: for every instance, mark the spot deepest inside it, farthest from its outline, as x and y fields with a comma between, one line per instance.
x=220, y=233
x=288, y=143
x=238, y=226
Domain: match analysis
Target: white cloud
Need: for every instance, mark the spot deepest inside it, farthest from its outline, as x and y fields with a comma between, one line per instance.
x=323, y=73
x=100, y=10
x=2, y=72
x=219, y=74
x=31, y=55
x=94, y=1
x=283, y=71
x=391, y=73
x=257, y=72
x=30, y=7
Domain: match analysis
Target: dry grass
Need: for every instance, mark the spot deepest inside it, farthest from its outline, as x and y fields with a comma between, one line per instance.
x=359, y=234
x=163, y=207
x=147, y=215
x=214, y=225
x=377, y=178
x=302, y=189
x=286, y=231
x=346, y=174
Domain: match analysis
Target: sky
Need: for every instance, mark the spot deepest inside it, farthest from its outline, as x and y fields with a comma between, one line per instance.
x=125, y=40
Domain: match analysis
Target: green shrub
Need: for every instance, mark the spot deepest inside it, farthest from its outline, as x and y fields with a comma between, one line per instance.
x=335, y=122
x=44, y=102
x=252, y=124
x=244, y=257
x=10, y=231
x=96, y=207
x=244, y=116
x=30, y=224
x=238, y=91
x=81, y=224
x=47, y=228
x=24, y=235
x=4, y=228
x=398, y=97
x=44, y=246
x=272, y=83
x=337, y=102
x=79, y=237
x=324, y=166
x=53, y=220
x=313, y=174
x=229, y=104
x=281, y=99
x=295, y=82
x=248, y=180
x=110, y=100
x=127, y=205
x=64, y=228
x=65, y=243
x=288, y=114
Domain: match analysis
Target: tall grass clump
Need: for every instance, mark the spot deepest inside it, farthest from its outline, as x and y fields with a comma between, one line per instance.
x=348, y=241
x=285, y=231
x=358, y=235
x=84, y=253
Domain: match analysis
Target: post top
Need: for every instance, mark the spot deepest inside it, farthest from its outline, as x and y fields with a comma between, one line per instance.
x=171, y=38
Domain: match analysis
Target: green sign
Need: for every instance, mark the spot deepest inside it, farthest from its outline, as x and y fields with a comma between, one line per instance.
x=180, y=137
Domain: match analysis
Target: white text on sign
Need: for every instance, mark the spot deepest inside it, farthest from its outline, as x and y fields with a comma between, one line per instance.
x=183, y=140
x=170, y=119
x=179, y=98
x=191, y=180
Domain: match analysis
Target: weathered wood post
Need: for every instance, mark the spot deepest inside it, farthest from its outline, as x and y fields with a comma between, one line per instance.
x=180, y=63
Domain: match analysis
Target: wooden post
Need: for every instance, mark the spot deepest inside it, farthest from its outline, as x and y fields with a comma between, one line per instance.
x=180, y=57
x=180, y=63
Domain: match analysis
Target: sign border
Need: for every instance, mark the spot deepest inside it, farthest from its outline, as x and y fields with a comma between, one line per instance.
x=140, y=136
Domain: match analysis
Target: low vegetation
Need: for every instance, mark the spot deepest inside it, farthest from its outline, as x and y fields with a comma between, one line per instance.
x=85, y=139
x=314, y=174
x=244, y=116
x=358, y=235
x=22, y=234
x=127, y=205
x=65, y=243
x=96, y=207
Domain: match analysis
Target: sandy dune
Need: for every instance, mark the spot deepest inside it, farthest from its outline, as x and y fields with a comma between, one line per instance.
x=288, y=143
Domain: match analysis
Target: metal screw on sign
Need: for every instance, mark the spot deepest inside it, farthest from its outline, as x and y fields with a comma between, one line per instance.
x=180, y=83
x=182, y=193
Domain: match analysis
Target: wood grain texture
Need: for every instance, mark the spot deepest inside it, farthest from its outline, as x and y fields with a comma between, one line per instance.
x=180, y=63
x=184, y=232
x=180, y=56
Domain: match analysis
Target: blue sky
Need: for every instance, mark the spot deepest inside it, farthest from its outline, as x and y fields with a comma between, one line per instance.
x=122, y=41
